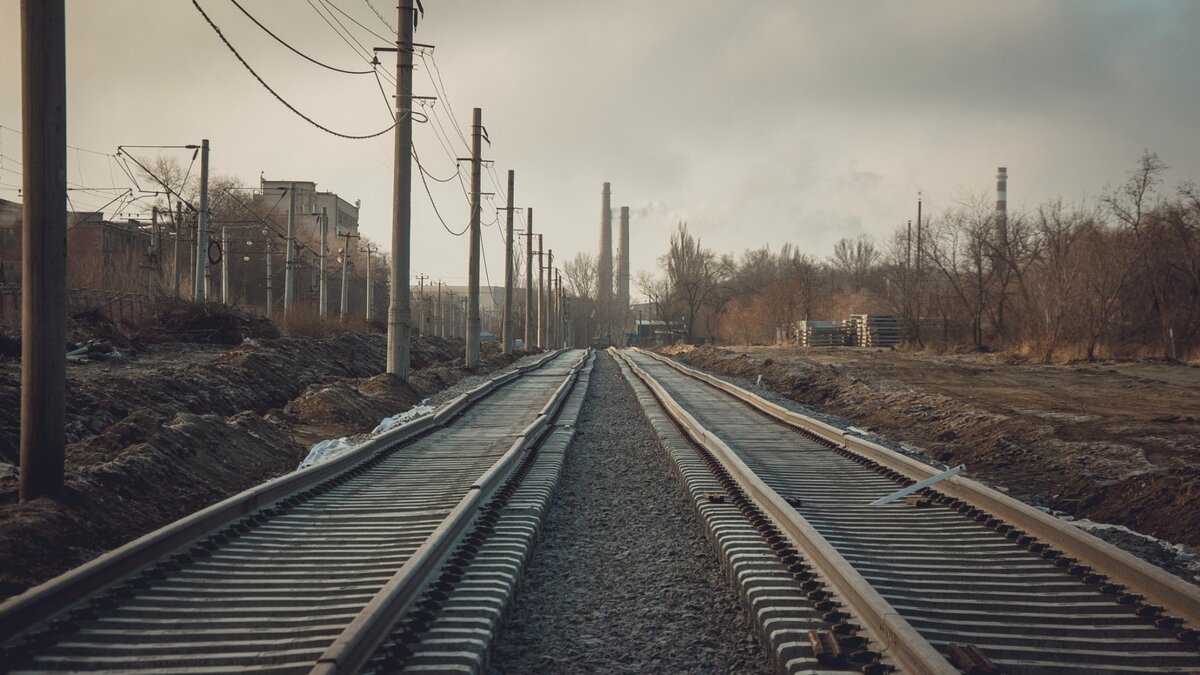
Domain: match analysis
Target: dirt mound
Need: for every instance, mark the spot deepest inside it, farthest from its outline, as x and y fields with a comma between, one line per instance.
x=209, y=323
x=178, y=427
x=170, y=471
x=94, y=325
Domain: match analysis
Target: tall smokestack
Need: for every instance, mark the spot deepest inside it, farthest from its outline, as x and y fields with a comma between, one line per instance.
x=1002, y=206
x=622, y=313
x=1001, y=194
x=604, y=270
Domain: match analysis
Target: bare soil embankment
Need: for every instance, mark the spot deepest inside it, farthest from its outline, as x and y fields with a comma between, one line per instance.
x=1111, y=442
x=177, y=427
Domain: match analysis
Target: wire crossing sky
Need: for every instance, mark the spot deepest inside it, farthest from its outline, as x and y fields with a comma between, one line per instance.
x=763, y=123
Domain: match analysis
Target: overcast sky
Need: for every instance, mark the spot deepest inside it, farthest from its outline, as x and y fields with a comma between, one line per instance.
x=757, y=123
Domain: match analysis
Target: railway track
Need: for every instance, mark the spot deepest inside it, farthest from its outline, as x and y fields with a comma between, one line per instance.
x=306, y=573
x=957, y=578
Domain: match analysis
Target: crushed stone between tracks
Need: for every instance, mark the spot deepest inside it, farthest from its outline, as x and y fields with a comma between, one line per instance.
x=623, y=579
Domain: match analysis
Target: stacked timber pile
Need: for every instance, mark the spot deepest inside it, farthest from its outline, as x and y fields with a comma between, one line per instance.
x=822, y=334
x=874, y=330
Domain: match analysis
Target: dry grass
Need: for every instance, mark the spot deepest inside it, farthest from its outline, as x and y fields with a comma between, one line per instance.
x=307, y=322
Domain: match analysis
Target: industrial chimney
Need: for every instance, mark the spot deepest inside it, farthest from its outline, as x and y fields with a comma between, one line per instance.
x=604, y=269
x=622, y=310
x=1002, y=206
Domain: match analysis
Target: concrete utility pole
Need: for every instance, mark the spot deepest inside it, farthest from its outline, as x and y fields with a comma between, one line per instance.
x=558, y=309
x=323, y=299
x=289, y=257
x=44, y=248
x=622, y=311
x=604, y=270
x=178, y=247
x=344, y=307
x=529, y=278
x=152, y=268
x=270, y=287
x=399, y=307
x=507, y=327
x=550, y=299
x=551, y=330
x=225, y=253
x=541, y=309
x=422, y=306
x=370, y=288
x=472, y=335
x=439, y=314
x=200, y=289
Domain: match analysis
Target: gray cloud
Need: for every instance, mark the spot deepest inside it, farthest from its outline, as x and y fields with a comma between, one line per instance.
x=755, y=122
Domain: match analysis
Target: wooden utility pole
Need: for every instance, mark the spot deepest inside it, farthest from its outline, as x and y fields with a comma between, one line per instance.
x=472, y=332
x=44, y=248
x=200, y=291
x=506, y=329
x=528, y=278
x=399, y=307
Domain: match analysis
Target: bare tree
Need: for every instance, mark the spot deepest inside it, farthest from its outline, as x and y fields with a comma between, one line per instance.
x=854, y=258
x=693, y=273
x=580, y=272
x=658, y=291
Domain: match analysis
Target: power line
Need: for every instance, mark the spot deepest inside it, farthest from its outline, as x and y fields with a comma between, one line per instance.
x=445, y=100
x=344, y=32
x=266, y=86
x=356, y=21
x=431, y=200
x=297, y=51
x=383, y=20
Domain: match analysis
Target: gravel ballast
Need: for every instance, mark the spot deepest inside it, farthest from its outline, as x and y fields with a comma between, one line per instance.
x=623, y=578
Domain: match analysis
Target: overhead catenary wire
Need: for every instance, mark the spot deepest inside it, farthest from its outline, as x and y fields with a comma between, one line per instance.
x=445, y=99
x=293, y=49
x=347, y=36
x=278, y=97
x=356, y=21
x=381, y=19
x=433, y=202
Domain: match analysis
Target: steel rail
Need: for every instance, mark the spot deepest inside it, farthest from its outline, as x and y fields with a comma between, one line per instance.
x=909, y=649
x=23, y=612
x=351, y=650
x=1158, y=586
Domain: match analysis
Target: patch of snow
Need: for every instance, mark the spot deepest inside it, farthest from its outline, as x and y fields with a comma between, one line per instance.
x=328, y=449
x=324, y=451
x=413, y=413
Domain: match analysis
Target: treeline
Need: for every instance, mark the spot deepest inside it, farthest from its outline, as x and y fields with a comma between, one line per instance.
x=1120, y=278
